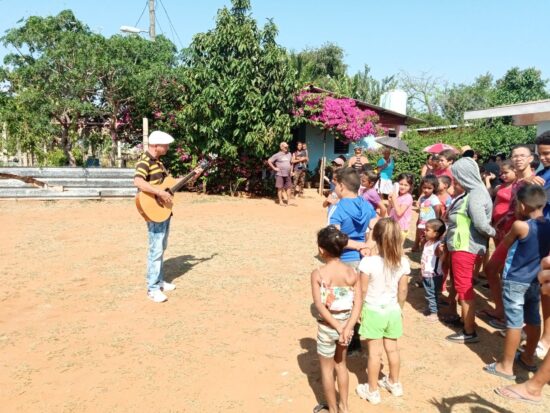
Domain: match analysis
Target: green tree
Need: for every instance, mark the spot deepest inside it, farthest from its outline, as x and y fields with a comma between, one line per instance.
x=239, y=88
x=361, y=86
x=51, y=75
x=423, y=93
x=132, y=80
x=323, y=66
x=520, y=86
x=456, y=100
x=368, y=89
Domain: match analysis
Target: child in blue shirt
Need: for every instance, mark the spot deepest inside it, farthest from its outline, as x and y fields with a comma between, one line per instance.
x=527, y=242
x=351, y=215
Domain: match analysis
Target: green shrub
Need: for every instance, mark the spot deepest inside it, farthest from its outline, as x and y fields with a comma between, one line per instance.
x=78, y=154
x=55, y=157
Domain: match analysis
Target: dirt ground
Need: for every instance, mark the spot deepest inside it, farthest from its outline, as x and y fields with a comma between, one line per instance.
x=77, y=333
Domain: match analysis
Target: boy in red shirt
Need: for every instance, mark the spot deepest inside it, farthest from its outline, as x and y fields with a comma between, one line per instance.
x=445, y=159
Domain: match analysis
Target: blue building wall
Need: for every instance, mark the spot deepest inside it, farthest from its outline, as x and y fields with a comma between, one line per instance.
x=314, y=140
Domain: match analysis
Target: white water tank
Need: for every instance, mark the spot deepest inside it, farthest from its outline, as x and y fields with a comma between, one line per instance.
x=395, y=100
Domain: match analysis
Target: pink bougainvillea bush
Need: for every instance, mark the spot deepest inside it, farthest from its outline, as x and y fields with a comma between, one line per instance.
x=341, y=116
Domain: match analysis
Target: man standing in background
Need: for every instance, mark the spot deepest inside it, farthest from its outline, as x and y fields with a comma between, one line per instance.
x=281, y=163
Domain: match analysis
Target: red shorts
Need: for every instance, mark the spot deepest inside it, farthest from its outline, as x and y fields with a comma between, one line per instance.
x=462, y=268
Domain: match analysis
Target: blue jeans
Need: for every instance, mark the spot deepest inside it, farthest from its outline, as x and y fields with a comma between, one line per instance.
x=521, y=303
x=432, y=290
x=158, y=241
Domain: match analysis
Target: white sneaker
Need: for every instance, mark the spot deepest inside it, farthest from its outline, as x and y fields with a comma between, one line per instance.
x=166, y=286
x=157, y=296
x=362, y=391
x=541, y=351
x=394, y=388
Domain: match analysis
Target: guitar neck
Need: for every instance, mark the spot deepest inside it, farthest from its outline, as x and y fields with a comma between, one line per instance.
x=185, y=179
x=182, y=182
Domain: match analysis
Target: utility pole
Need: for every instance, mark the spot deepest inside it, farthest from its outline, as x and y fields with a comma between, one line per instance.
x=145, y=134
x=152, y=20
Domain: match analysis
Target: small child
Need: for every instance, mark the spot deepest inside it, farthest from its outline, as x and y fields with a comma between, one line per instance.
x=446, y=200
x=503, y=196
x=401, y=202
x=429, y=207
x=430, y=267
x=336, y=291
x=445, y=160
x=332, y=198
x=368, y=182
x=443, y=194
x=527, y=242
x=385, y=290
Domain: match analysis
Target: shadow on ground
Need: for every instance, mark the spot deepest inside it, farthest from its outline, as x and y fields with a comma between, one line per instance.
x=473, y=401
x=309, y=365
x=179, y=266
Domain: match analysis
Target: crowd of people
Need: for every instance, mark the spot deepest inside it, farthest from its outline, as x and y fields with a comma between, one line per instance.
x=361, y=289
x=465, y=210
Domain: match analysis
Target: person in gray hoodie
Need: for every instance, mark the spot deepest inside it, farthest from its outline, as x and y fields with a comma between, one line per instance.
x=468, y=231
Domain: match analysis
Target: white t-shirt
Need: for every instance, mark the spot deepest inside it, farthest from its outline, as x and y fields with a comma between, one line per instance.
x=430, y=264
x=382, y=288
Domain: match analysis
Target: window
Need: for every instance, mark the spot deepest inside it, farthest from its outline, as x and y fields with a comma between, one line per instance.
x=340, y=147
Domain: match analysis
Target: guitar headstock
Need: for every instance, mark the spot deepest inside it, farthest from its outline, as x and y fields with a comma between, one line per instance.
x=206, y=162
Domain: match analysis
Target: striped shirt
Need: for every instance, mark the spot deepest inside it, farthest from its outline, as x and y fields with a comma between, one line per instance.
x=150, y=169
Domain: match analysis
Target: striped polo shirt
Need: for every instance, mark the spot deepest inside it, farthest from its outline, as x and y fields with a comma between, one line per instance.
x=150, y=169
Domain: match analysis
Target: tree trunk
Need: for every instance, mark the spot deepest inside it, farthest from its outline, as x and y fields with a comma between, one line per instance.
x=114, y=139
x=67, y=145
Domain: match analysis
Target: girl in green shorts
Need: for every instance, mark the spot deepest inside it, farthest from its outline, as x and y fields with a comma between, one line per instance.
x=385, y=289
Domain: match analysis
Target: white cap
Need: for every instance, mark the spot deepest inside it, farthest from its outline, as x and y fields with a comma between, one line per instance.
x=160, y=138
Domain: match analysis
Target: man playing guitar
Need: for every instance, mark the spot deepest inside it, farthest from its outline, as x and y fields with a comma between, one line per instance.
x=149, y=172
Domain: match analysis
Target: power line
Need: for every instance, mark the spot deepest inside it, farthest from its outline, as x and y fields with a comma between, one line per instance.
x=141, y=15
x=170, y=23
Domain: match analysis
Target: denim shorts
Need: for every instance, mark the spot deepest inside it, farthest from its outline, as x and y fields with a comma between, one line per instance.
x=521, y=303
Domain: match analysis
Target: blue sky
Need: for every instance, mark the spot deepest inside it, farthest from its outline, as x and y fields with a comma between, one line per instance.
x=456, y=40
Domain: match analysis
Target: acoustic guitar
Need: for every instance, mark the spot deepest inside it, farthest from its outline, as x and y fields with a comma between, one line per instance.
x=151, y=207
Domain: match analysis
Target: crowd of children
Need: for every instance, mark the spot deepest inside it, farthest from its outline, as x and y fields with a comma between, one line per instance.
x=361, y=289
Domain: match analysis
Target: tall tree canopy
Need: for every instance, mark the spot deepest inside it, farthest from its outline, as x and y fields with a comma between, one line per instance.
x=320, y=66
x=49, y=75
x=240, y=87
x=64, y=81
x=520, y=86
